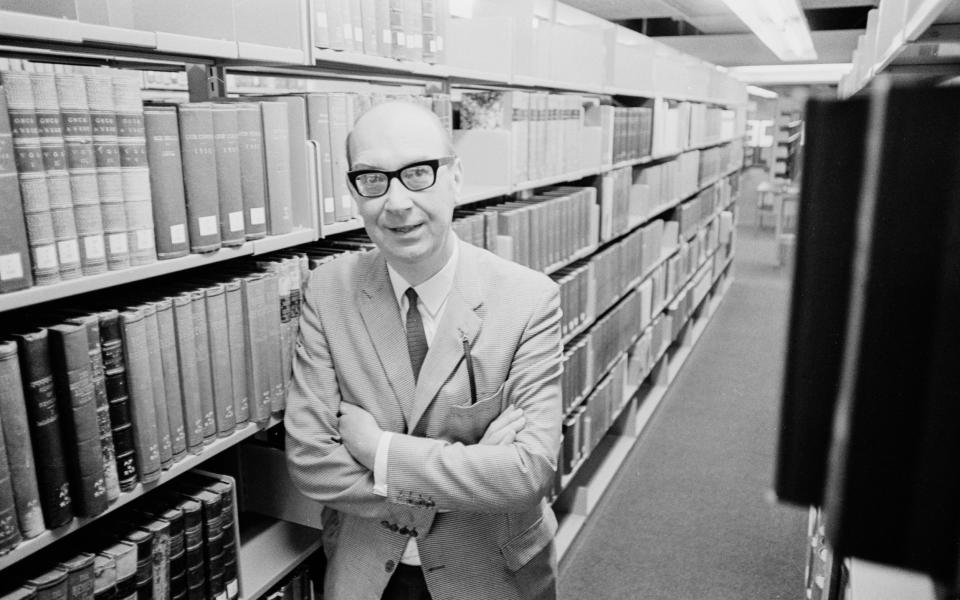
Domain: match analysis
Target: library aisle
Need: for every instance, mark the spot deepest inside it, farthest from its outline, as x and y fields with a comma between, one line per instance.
x=690, y=515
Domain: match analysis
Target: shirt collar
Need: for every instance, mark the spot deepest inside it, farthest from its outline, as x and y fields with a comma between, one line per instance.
x=432, y=292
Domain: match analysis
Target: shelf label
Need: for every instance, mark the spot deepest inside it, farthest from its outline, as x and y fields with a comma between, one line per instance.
x=236, y=221
x=93, y=246
x=258, y=216
x=10, y=266
x=69, y=251
x=207, y=225
x=178, y=233
x=117, y=242
x=144, y=239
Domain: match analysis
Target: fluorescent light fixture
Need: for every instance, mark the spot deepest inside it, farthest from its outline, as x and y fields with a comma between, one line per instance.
x=779, y=24
x=759, y=91
x=461, y=8
x=791, y=74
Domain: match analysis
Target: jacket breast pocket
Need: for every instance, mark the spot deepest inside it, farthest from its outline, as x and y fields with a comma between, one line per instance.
x=466, y=423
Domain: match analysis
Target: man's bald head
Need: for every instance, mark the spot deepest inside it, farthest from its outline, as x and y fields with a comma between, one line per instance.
x=393, y=116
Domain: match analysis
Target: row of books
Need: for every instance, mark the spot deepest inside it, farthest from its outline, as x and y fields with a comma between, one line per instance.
x=682, y=125
x=298, y=585
x=584, y=429
x=180, y=543
x=109, y=397
x=412, y=30
x=546, y=130
x=627, y=131
x=694, y=212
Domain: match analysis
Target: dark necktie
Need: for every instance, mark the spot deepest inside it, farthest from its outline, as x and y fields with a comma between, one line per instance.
x=416, y=338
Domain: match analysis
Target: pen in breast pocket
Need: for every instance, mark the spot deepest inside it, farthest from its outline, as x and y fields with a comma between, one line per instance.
x=473, y=380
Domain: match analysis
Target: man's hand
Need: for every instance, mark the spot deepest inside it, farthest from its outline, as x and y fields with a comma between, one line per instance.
x=360, y=433
x=504, y=429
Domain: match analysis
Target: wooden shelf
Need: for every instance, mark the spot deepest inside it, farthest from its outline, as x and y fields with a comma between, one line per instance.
x=190, y=461
x=269, y=550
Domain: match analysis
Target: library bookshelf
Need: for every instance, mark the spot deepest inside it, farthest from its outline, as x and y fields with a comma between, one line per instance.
x=269, y=547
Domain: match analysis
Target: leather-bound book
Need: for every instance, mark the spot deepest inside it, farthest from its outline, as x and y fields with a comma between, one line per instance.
x=166, y=181
x=143, y=413
x=226, y=144
x=187, y=363
x=170, y=367
x=118, y=398
x=200, y=176
x=14, y=248
x=252, y=174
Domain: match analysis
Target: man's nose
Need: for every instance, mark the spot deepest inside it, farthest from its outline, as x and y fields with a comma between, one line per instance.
x=398, y=197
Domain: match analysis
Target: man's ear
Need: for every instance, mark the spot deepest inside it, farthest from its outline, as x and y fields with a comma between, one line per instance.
x=457, y=170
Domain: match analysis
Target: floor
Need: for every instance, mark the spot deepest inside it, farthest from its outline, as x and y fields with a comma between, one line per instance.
x=691, y=515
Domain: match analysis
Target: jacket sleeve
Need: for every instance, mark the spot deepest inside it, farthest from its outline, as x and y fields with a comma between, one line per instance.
x=494, y=479
x=318, y=463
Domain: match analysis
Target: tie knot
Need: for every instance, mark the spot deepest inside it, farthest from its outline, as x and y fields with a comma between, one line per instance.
x=411, y=295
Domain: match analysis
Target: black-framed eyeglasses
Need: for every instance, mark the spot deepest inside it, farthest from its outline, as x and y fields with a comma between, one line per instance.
x=416, y=177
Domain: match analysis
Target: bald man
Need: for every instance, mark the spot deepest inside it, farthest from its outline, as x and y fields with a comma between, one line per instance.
x=425, y=407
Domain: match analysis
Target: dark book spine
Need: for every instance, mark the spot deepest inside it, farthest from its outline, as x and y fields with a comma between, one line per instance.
x=220, y=371
x=118, y=399
x=134, y=169
x=157, y=386
x=143, y=414
x=44, y=415
x=166, y=181
x=54, y=153
x=171, y=377
x=201, y=338
x=31, y=176
x=143, y=540
x=51, y=585
x=106, y=149
x=252, y=183
x=200, y=177
x=110, y=477
x=80, y=576
x=16, y=434
x=229, y=185
x=189, y=378
x=238, y=350
x=71, y=369
x=276, y=144
x=14, y=248
x=82, y=170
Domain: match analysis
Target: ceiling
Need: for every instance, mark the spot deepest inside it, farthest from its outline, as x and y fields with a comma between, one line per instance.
x=724, y=40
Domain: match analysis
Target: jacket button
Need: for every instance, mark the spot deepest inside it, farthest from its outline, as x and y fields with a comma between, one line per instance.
x=413, y=532
x=404, y=530
x=394, y=527
x=389, y=566
x=385, y=524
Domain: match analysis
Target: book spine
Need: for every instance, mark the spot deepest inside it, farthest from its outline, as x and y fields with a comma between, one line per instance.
x=16, y=434
x=318, y=129
x=201, y=338
x=166, y=181
x=157, y=386
x=258, y=388
x=105, y=428
x=106, y=148
x=9, y=531
x=134, y=169
x=80, y=576
x=276, y=145
x=28, y=158
x=124, y=557
x=171, y=377
x=219, y=347
x=229, y=186
x=238, y=350
x=14, y=247
x=71, y=368
x=118, y=399
x=51, y=585
x=136, y=356
x=143, y=540
x=104, y=578
x=54, y=153
x=54, y=485
x=82, y=170
x=252, y=184
x=199, y=177
x=343, y=201
x=274, y=325
x=189, y=378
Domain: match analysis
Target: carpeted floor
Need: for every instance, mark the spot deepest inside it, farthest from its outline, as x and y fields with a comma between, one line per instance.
x=689, y=516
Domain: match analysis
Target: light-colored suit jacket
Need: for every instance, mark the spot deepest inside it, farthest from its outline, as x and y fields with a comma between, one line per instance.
x=477, y=512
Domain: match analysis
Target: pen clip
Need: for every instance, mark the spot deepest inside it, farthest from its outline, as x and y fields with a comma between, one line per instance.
x=470, y=374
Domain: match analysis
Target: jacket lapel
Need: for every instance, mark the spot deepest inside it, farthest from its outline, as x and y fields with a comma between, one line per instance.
x=459, y=321
x=381, y=316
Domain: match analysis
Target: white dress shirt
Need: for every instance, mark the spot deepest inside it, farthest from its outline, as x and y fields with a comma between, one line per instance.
x=433, y=294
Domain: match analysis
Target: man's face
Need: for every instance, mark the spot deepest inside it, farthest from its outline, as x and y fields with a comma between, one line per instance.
x=410, y=227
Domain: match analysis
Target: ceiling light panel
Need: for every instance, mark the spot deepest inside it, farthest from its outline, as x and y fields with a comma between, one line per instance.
x=779, y=24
